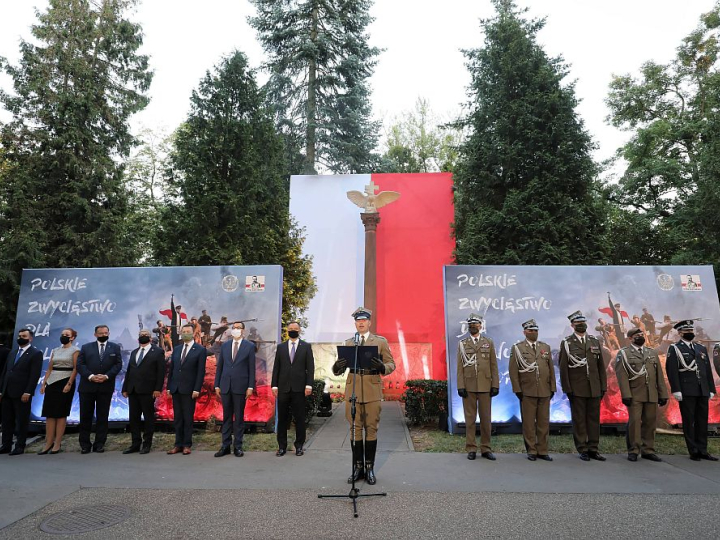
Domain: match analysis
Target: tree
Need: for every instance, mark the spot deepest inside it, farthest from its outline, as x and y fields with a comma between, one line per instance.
x=319, y=65
x=525, y=181
x=415, y=142
x=228, y=196
x=76, y=85
x=672, y=176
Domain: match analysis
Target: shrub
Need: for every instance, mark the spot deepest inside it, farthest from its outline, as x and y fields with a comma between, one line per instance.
x=425, y=400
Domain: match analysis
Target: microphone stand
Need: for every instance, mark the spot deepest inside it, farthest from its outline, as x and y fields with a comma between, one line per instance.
x=354, y=494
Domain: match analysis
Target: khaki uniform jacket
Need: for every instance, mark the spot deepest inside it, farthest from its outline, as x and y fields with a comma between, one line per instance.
x=540, y=383
x=368, y=388
x=643, y=389
x=590, y=382
x=482, y=373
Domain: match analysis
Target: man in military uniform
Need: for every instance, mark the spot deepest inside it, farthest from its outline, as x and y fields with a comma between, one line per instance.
x=642, y=387
x=584, y=380
x=368, y=391
x=691, y=383
x=533, y=381
x=478, y=382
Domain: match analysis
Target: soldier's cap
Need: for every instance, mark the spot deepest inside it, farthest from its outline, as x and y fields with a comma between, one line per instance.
x=474, y=318
x=361, y=314
x=530, y=325
x=577, y=317
x=633, y=331
x=684, y=325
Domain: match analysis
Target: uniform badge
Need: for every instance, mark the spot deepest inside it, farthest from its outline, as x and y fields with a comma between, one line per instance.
x=485, y=345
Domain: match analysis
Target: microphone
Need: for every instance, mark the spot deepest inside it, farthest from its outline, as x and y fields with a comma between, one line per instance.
x=356, y=339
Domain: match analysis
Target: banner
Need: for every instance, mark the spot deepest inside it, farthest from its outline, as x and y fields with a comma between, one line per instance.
x=613, y=298
x=129, y=299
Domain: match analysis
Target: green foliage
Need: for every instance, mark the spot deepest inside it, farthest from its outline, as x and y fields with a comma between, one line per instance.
x=227, y=200
x=525, y=181
x=319, y=63
x=424, y=400
x=312, y=402
x=63, y=202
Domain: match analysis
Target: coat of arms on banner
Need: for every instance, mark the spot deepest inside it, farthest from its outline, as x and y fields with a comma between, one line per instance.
x=254, y=283
x=690, y=282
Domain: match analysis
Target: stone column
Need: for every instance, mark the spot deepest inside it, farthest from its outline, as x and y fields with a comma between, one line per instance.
x=370, y=220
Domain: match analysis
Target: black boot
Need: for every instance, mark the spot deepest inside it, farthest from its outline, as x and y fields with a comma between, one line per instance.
x=358, y=472
x=370, y=448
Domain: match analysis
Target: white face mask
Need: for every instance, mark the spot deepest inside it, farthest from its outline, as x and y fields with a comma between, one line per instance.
x=236, y=332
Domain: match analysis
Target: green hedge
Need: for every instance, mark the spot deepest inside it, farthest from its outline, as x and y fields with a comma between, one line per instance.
x=312, y=402
x=425, y=400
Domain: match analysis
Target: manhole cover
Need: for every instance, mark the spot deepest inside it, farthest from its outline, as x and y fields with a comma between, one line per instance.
x=84, y=519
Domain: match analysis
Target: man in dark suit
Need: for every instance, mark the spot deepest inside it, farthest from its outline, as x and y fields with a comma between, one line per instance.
x=292, y=380
x=4, y=351
x=691, y=383
x=98, y=364
x=143, y=384
x=234, y=382
x=17, y=386
x=187, y=372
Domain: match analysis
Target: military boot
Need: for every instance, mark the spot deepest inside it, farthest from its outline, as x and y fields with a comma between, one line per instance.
x=358, y=472
x=370, y=448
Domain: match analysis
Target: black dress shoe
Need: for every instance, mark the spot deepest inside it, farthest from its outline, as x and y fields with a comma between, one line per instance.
x=632, y=457
x=224, y=451
x=281, y=452
x=43, y=452
x=99, y=449
x=17, y=451
x=707, y=456
x=5, y=449
x=370, y=477
x=238, y=452
x=651, y=457
x=532, y=457
x=584, y=456
x=596, y=456
x=299, y=451
x=544, y=457
x=488, y=455
x=85, y=450
x=695, y=457
x=131, y=450
x=471, y=455
x=145, y=450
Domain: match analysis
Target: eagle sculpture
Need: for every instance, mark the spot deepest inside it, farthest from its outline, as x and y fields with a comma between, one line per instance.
x=369, y=201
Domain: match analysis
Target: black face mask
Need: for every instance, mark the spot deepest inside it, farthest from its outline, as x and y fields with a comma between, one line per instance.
x=293, y=334
x=581, y=327
x=689, y=336
x=64, y=340
x=143, y=340
x=474, y=330
x=102, y=339
x=22, y=341
x=639, y=340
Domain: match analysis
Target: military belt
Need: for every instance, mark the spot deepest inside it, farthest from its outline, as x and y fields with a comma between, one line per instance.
x=365, y=371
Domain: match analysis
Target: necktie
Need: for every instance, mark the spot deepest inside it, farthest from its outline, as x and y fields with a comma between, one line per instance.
x=474, y=341
x=534, y=349
x=235, y=349
x=102, y=351
x=582, y=341
x=184, y=354
x=292, y=353
x=18, y=355
x=362, y=341
x=140, y=358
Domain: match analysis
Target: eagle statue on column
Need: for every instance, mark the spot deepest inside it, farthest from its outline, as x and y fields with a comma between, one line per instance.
x=369, y=201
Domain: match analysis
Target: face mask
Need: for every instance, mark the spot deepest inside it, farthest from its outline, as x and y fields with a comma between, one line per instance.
x=64, y=340
x=474, y=330
x=293, y=334
x=102, y=339
x=689, y=336
x=236, y=333
x=581, y=328
x=187, y=336
x=22, y=341
x=639, y=340
x=143, y=340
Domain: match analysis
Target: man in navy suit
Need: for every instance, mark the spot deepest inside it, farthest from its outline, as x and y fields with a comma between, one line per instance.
x=292, y=380
x=234, y=382
x=143, y=384
x=187, y=372
x=17, y=386
x=98, y=364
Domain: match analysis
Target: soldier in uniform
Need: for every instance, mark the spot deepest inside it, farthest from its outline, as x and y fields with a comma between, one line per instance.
x=691, y=383
x=584, y=380
x=716, y=358
x=368, y=391
x=478, y=382
x=642, y=387
x=533, y=380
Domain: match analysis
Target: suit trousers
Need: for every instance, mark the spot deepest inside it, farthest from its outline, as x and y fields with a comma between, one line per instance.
x=287, y=401
x=536, y=424
x=233, y=419
x=183, y=412
x=694, y=412
x=586, y=423
x=97, y=404
x=367, y=417
x=470, y=406
x=141, y=404
x=15, y=419
x=641, y=427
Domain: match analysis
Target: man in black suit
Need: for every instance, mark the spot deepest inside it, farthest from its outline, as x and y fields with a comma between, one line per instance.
x=234, y=383
x=143, y=384
x=292, y=380
x=4, y=351
x=691, y=383
x=187, y=372
x=98, y=364
x=17, y=386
